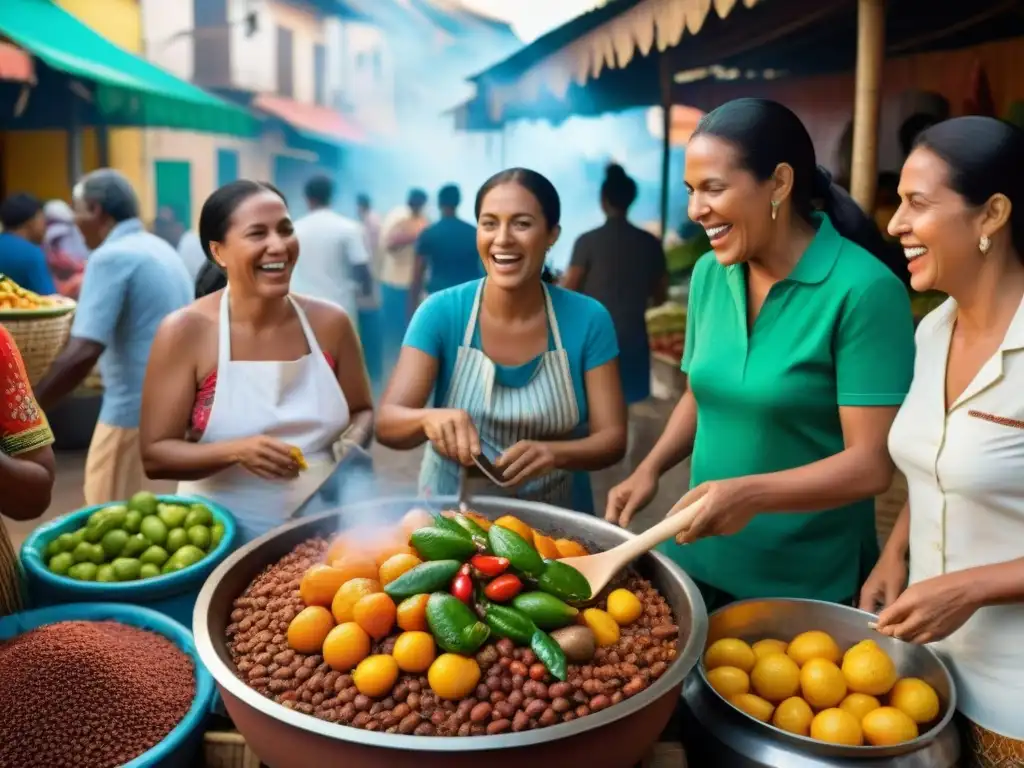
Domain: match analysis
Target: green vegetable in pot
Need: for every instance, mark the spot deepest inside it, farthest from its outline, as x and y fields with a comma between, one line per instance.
x=546, y=611
x=442, y=544
x=83, y=571
x=513, y=547
x=198, y=514
x=510, y=623
x=148, y=571
x=216, y=534
x=132, y=521
x=476, y=533
x=564, y=581
x=550, y=654
x=154, y=529
x=64, y=543
x=126, y=568
x=144, y=502
x=61, y=563
x=102, y=521
x=113, y=542
x=172, y=515
x=199, y=536
x=136, y=545
x=154, y=555
x=105, y=573
x=176, y=539
x=455, y=627
x=448, y=524
x=186, y=556
x=423, y=579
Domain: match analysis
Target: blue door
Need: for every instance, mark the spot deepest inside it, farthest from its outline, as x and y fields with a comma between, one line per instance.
x=227, y=166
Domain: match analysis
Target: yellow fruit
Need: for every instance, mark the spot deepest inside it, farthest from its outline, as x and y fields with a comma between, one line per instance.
x=837, y=727
x=859, y=704
x=767, y=647
x=356, y=567
x=602, y=625
x=308, y=630
x=570, y=548
x=376, y=614
x=886, y=726
x=729, y=681
x=869, y=670
x=351, y=592
x=516, y=525
x=414, y=651
x=395, y=566
x=729, y=652
x=813, y=645
x=453, y=677
x=545, y=546
x=862, y=645
x=412, y=614
x=916, y=699
x=375, y=676
x=624, y=607
x=414, y=520
x=755, y=706
x=346, y=645
x=775, y=677
x=320, y=584
x=822, y=684
x=794, y=715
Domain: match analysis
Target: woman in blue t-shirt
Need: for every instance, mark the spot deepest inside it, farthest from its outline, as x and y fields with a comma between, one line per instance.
x=520, y=369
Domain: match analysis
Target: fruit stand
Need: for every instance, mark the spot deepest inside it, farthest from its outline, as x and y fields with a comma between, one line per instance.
x=666, y=332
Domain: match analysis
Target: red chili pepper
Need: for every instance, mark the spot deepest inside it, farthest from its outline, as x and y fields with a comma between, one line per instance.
x=489, y=565
x=462, y=587
x=503, y=588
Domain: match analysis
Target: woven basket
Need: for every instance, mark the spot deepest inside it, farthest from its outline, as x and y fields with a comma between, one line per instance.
x=39, y=339
x=227, y=749
x=888, y=507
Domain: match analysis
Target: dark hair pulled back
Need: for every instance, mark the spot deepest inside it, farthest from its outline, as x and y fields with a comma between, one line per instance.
x=215, y=218
x=985, y=157
x=767, y=134
x=618, y=190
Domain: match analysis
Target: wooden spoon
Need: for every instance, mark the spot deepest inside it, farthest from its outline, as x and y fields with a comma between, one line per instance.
x=599, y=569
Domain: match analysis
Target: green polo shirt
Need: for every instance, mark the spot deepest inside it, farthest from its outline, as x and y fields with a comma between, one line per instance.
x=837, y=332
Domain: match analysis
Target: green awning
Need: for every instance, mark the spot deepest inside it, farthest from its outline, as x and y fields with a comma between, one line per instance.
x=128, y=90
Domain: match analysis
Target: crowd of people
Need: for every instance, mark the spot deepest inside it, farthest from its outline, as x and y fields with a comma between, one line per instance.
x=807, y=380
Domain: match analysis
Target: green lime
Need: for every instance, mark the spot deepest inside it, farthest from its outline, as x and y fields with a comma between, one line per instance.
x=186, y=556
x=77, y=538
x=113, y=543
x=83, y=571
x=176, y=539
x=153, y=528
x=61, y=562
x=105, y=573
x=132, y=521
x=96, y=554
x=136, y=545
x=148, y=571
x=155, y=555
x=199, y=536
x=126, y=568
x=54, y=548
x=67, y=542
x=199, y=514
x=172, y=515
x=216, y=534
x=82, y=552
x=170, y=567
x=144, y=502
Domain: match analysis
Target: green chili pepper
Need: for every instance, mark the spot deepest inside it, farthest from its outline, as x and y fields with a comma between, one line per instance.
x=550, y=654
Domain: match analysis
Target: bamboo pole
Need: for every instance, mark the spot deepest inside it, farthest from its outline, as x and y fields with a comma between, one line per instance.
x=665, y=74
x=867, y=104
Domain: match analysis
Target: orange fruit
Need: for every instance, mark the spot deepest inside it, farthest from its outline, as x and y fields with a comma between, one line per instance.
x=570, y=548
x=453, y=677
x=376, y=614
x=308, y=630
x=319, y=585
x=395, y=543
x=412, y=614
x=376, y=675
x=356, y=566
x=346, y=645
x=336, y=550
x=837, y=726
x=415, y=519
x=546, y=546
x=516, y=525
x=395, y=566
x=479, y=519
x=351, y=592
x=414, y=652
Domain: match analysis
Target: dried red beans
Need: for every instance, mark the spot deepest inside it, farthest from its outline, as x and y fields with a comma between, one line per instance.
x=88, y=694
x=512, y=695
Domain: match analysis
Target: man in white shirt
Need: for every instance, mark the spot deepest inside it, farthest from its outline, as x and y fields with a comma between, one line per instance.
x=398, y=234
x=333, y=259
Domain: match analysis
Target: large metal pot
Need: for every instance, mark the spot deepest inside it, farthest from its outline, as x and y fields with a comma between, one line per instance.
x=616, y=737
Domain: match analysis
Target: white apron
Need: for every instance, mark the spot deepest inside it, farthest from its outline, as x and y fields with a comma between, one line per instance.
x=299, y=402
x=544, y=409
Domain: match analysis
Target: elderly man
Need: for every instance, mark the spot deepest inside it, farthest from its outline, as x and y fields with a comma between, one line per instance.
x=133, y=280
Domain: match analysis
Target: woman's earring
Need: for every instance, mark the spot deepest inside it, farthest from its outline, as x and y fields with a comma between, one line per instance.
x=984, y=244
x=775, y=209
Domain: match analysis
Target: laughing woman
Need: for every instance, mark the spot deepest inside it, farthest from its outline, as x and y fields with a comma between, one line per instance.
x=520, y=369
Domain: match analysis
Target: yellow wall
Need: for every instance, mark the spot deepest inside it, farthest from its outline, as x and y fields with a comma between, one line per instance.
x=36, y=161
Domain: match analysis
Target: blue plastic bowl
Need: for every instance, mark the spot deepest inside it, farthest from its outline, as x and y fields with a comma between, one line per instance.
x=180, y=747
x=173, y=594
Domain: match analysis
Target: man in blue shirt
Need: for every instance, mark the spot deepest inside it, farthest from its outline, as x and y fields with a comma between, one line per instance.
x=133, y=280
x=21, y=258
x=446, y=251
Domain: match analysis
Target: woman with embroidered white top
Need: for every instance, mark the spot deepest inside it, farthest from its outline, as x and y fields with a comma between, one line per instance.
x=242, y=377
x=959, y=437
x=520, y=369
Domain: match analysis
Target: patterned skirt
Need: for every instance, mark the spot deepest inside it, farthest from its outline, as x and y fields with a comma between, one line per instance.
x=985, y=749
x=11, y=584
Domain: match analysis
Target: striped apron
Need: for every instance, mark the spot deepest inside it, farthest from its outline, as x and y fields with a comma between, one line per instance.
x=545, y=408
x=11, y=584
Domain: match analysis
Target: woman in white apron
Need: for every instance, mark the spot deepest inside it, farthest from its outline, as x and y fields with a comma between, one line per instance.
x=289, y=374
x=524, y=372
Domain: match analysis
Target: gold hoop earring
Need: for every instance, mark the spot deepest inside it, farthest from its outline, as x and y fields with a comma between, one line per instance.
x=775, y=209
x=984, y=244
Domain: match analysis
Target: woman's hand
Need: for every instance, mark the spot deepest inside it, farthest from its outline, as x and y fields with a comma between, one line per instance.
x=883, y=586
x=266, y=457
x=630, y=496
x=930, y=610
x=452, y=434
x=526, y=460
x=726, y=508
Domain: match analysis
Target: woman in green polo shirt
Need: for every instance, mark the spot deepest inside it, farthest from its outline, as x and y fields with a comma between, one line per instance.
x=799, y=350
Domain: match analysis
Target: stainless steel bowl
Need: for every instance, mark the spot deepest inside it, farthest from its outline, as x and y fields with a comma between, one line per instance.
x=752, y=620
x=283, y=738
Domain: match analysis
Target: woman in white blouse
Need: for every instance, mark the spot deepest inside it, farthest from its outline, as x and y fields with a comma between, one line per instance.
x=959, y=437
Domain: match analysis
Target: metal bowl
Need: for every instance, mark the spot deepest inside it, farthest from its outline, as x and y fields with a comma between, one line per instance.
x=753, y=620
x=283, y=738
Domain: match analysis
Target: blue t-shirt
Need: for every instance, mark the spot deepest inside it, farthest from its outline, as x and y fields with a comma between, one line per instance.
x=25, y=264
x=131, y=283
x=448, y=248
